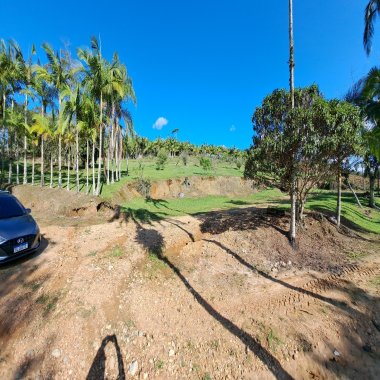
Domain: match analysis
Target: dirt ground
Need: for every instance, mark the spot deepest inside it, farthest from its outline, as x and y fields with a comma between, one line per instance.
x=217, y=296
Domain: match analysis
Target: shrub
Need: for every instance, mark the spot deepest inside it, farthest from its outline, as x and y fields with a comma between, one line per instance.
x=205, y=163
x=143, y=187
x=239, y=164
x=185, y=158
x=162, y=157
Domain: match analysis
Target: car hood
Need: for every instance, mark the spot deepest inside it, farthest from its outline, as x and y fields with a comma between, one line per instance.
x=18, y=226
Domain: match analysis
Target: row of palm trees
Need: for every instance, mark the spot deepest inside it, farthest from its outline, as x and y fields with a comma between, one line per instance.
x=141, y=146
x=65, y=107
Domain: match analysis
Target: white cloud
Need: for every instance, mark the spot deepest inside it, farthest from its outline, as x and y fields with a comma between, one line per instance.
x=160, y=123
x=232, y=128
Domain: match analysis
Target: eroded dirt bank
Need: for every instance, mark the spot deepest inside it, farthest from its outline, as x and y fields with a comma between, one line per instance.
x=220, y=296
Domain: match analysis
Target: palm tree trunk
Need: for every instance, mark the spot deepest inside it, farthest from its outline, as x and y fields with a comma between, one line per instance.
x=51, y=170
x=112, y=144
x=291, y=82
x=339, y=200
x=93, y=168
x=77, y=158
x=108, y=160
x=87, y=189
x=33, y=169
x=117, y=156
x=68, y=168
x=3, y=141
x=100, y=144
x=25, y=178
x=42, y=153
x=17, y=161
x=42, y=162
x=59, y=149
x=59, y=161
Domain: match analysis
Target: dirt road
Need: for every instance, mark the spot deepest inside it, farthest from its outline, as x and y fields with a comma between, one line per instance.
x=219, y=296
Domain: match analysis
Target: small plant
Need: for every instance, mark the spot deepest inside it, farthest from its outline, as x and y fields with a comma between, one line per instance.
x=206, y=376
x=205, y=163
x=273, y=340
x=162, y=158
x=49, y=302
x=143, y=186
x=116, y=252
x=185, y=158
x=159, y=364
x=239, y=164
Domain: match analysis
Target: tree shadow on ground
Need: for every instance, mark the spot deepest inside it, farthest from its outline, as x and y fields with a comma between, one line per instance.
x=153, y=242
x=141, y=215
x=251, y=218
x=331, y=301
x=98, y=366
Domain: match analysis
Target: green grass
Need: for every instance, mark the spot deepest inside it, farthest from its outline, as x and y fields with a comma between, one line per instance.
x=116, y=252
x=365, y=219
x=174, y=168
x=146, y=210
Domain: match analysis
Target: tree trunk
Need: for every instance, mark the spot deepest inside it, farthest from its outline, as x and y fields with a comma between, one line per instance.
x=42, y=162
x=17, y=160
x=68, y=168
x=291, y=83
x=51, y=170
x=87, y=189
x=25, y=178
x=353, y=192
x=339, y=199
x=93, y=168
x=77, y=158
x=117, y=156
x=372, y=190
x=3, y=141
x=100, y=144
x=33, y=169
x=59, y=149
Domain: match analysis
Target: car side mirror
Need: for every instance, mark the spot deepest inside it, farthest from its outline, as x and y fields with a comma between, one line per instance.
x=28, y=210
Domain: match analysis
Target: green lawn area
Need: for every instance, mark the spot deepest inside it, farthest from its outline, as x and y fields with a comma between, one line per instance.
x=162, y=208
x=173, y=169
x=365, y=219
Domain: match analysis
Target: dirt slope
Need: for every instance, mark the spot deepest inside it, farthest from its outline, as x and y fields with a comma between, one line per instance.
x=220, y=296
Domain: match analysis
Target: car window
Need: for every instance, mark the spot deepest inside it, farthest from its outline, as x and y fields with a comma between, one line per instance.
x=10, y=208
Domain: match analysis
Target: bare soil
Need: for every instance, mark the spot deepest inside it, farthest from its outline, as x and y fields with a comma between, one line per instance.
x=219, y=296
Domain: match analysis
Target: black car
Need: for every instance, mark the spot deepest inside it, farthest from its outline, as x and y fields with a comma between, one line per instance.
x=19, y=232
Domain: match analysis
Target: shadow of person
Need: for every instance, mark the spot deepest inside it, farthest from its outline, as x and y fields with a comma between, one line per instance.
x=98, y=366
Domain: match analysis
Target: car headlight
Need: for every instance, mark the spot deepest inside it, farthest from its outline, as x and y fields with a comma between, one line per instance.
x=2, y=240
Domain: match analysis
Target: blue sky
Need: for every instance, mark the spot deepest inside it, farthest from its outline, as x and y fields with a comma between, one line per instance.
x=203, y=66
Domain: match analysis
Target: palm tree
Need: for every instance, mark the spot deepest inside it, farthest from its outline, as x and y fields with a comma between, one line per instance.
x=42, y=127
x=59, y=73
x=291, y=83
x=371, y=11
x=365, y=93
x=102, y=79
x=28, y=79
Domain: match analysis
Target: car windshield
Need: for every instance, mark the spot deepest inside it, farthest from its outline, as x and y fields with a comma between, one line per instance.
x=10, y=208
